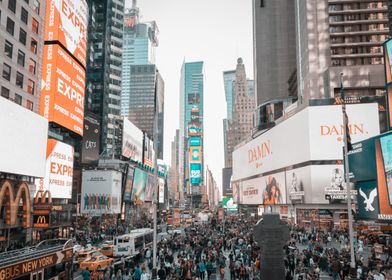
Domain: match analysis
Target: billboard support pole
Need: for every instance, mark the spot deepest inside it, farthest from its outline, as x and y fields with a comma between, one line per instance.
x=155, y=199
x=347, y=177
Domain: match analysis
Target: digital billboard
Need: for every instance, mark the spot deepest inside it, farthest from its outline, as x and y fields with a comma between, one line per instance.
x=388, y=61
x=91, y=139
x=195, y=154
x=66, y=23
x=62, y=90
x=132, y=141
x=139, y=186
x=128, y=184
x=228, y=203
x=59, y=170
x=101, y=192
x=195, y=141
x=24, y=144
x=195, y=173
x=149, y=153
x=149, y=192
x=194, y=129
x=161, y=190
x=309, y=129
x=386, y=151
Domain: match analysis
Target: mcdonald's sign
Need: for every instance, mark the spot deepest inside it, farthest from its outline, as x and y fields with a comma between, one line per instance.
x=10, y=196
x=40, y=221
x=42, y=202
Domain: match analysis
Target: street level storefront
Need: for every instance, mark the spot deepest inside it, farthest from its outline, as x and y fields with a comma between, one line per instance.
x=305, y=169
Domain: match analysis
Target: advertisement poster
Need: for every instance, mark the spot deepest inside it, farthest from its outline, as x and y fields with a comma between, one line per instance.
x=139, y=186
x=67, y=23
x=252, y=191
x=128, y=185
x=149, y=193
x=368, y=207
x=59, y=170
x=132, y=141
x=161, y=190
x=383, y=192
x=62, y=89
x=296, y=180
x=194, y=129
x=386, y=150
x=195, y=154
x=388, y=61
x=195, y=173
x=274, y=189
x=228, y=203
x=362, y=163
x=91, y=140
x=149, y=154
x=101, y=192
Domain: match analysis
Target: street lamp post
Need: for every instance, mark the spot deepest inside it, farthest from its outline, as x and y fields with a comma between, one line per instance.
x=155, y=199
x=347, y=177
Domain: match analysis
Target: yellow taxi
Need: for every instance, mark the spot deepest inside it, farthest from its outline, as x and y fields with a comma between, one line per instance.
x=94, y=263
x=107, y=250
x=84, y=255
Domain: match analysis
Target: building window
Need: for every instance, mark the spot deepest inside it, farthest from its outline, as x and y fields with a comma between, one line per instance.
x=32, y=66
x=6, y=71
x=33, y=46
x=29, y=105
x=21, y=58
x=12, y=5
x=19, y=80
x=30, y=87
x=34, y=26
x=10, y=26
x=24, y=15
x=5, y=92
x=22, y=36
x=8, y=49
x=18, y=99
x=36, y=6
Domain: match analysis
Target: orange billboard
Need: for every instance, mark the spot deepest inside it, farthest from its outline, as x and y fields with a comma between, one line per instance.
x=66, y=22
x=62, y=90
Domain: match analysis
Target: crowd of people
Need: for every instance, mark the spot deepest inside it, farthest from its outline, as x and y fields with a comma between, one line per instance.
x=216, y=251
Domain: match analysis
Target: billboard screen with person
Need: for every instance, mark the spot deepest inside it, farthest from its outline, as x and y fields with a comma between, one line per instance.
x=139, y=186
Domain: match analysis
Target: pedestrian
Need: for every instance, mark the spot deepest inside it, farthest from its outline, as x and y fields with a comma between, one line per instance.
x=162, y=273
x=86, y=274
x=137, y=273
x=145, y=275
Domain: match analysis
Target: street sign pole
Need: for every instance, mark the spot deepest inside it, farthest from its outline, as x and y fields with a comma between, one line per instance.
x=155, y=199
x=347, y=178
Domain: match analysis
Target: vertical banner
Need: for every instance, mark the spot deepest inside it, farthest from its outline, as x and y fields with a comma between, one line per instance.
x=368, y=207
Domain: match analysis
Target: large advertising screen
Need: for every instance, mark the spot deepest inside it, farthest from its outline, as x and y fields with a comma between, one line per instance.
x=161, y=190
x=311, y=128
x=101, y=192
x=139, y=186
x=195, y=173
x=91, y=140
x=386, y=152
x=59, y=170
x=149, y=193
x=128, y=185
x=388, y=60
x=66, y=22
x=195, y=154
x=22, y=146
x=132, y=141
x=62, y=93
x=149, y=153
x=195, y=141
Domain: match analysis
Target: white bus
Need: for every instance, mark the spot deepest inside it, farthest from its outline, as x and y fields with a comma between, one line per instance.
x=132, y=243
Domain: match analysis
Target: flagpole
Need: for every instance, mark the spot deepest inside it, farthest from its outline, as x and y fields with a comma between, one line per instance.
x=347, y=177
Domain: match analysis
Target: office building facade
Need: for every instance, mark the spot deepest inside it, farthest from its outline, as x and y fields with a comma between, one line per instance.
x=21, y=45
x=336, y=37
x=105, y=42
x=273, y=48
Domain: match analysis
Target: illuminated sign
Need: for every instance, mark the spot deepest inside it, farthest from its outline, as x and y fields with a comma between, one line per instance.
x=195, y=155
x=33, y=265
x=195, y=173
x=67, y=23
x=194, y=129
x=62, y=90
x=40, y=221
x=195, y=141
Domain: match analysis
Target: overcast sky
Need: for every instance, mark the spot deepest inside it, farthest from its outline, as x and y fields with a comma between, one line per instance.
x=214, y=31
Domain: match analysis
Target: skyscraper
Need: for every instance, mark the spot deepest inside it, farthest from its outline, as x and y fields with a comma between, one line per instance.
x=140, y=41
x=174, y=194
x=273, y=48
x=21, y=45
x=228, y=80
x=191, y=127
x=336, y=37
x=105, y=42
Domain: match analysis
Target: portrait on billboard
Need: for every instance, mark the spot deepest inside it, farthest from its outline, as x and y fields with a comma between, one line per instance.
x=295, y=184
x=272, y=193
x=128, y=185
x=139, y=186
x=149, y=193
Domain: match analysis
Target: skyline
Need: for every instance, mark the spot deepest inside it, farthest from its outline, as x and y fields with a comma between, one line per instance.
x=218, y=52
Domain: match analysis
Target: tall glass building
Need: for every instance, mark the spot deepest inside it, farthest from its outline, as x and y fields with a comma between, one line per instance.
x=191, y=97
x=228, y=80
x=139, y=42
x=105, y=42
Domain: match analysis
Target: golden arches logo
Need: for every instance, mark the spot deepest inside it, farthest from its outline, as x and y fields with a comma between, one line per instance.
x=41, y=220
x=43, y=197
x=7, y=190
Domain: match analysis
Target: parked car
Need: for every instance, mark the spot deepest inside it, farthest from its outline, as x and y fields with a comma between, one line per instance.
x=107, y=250
x=94, y=263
